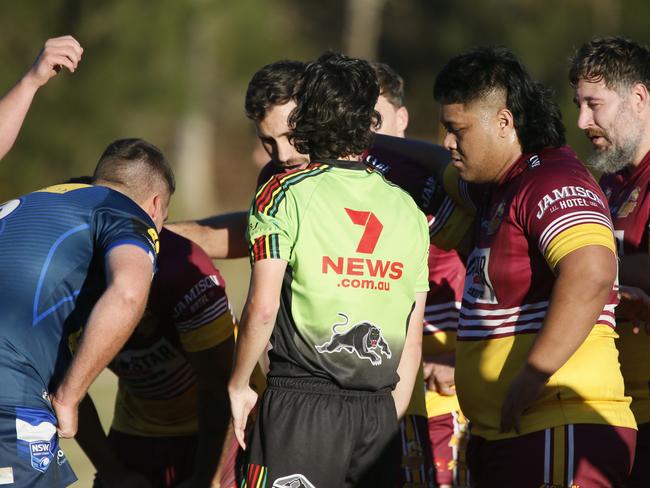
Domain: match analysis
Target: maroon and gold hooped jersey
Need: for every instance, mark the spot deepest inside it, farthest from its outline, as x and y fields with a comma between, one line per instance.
x=546, y=206
x=628, y=194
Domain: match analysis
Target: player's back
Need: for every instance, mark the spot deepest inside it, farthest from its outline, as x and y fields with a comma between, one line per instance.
x=356, y=248
x=52, y=246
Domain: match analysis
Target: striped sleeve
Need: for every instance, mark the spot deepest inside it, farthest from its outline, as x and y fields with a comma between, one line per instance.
x=456, y=214
x=564, y=212
x=272, y=222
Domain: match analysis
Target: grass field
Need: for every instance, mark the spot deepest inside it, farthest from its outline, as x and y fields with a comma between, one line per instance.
x=236, y=274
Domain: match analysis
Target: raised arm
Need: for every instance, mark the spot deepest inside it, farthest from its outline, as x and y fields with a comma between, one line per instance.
x=110, y=324
x=61, y=51
x=220, y=236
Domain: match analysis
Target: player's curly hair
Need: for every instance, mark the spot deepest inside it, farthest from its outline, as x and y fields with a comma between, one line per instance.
x=617, y=61
x=273, y=84
x=336, y=112
x=478, y=73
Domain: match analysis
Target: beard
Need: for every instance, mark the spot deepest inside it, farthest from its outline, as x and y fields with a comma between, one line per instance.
x=623, y=147
x=614, y=158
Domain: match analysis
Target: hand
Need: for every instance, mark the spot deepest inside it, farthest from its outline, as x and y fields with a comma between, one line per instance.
x=439, y=373
x=67, y=417
x=524, y=390
x=125, y=479
x=242, y=401
x=635, y=306
x=57, y=52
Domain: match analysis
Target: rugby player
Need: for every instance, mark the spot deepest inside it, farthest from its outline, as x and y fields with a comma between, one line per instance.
x=611, y=78
x=330, y=377
x=437, y=422
x=77, y=263
x=58, y=52
x=537, y=369
x=171, y=410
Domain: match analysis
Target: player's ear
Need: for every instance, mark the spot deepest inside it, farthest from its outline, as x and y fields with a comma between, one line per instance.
x=402, y=120
x=639, y=97
x=506, y=122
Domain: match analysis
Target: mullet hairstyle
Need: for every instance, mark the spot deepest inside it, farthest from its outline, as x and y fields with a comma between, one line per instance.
x=335, y=113
x=391, y=84
x=617, y=61
x=134, y=164
x=478, y=73
x=274, y=84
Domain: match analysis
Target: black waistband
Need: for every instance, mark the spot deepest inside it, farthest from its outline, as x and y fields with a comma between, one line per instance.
x=318, y=385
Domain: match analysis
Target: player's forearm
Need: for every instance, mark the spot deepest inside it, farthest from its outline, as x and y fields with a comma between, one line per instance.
x=255, y=331
x=214, y=417
x=411, y=360
x=221, y=236
x=112, y=321
x=13, y=110
x=433, y=157
x=634, y=270
x=579, y=295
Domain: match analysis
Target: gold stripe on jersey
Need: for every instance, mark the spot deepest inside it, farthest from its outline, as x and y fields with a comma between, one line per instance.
x=432, y=345
x=574, y=238
x=571, y=396
x=208, y=335
x=64, y=188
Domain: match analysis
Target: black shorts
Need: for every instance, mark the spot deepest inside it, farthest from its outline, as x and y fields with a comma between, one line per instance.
x=310, y=433
x=164, y=461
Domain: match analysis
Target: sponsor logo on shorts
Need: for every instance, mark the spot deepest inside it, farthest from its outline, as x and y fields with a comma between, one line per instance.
x=293, y=481
x=363, y=339
x=38, y=436
x=41, y=455
x=60, y=457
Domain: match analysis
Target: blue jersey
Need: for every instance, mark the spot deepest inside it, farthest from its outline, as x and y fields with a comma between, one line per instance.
x=53, y=245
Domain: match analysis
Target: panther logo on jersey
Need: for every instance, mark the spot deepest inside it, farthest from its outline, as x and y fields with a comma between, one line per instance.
x=364, y=339
x=293, y=481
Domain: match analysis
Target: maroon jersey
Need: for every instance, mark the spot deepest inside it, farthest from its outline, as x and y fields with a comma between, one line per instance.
x=188, y=311
x=628, y=193
x=546, y=206
x=629, y=199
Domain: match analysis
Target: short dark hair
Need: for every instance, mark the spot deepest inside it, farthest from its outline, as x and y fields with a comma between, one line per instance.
x=335, y=111
x=134, y=164
x=619, y=62
x=391, y=84
x=479, y=72
x=274, y=84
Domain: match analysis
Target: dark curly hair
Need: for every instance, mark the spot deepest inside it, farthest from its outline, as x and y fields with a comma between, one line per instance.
x=274, y=84
x=478, y=73
x=617, y=61
x=336, y=112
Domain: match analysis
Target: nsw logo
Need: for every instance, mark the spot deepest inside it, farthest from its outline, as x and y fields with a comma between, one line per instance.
x=293, y=481
x=41, y=455
x=364, y=339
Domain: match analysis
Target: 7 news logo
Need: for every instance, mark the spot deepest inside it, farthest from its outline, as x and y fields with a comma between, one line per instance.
x=362, y=272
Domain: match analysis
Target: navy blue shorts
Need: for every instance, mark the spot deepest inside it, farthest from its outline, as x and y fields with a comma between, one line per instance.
x=30, y=455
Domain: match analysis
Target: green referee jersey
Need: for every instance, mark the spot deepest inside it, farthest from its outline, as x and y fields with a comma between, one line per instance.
x=356, y=250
